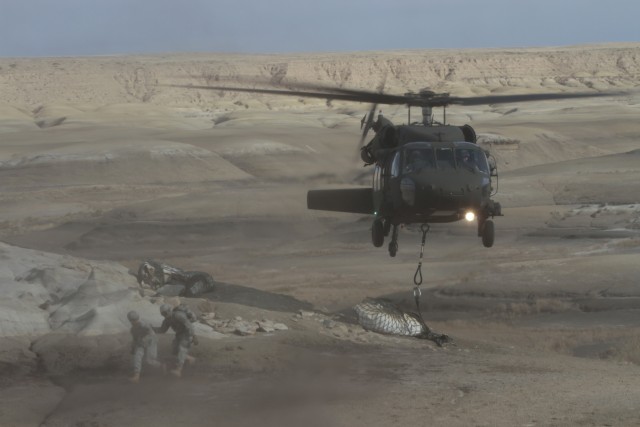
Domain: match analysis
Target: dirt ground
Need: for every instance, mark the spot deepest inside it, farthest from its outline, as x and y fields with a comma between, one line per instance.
x=545, y=324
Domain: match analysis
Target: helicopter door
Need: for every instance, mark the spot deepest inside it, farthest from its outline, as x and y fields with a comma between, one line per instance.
x=384, y=178
x=377, y=188
x=392, y=188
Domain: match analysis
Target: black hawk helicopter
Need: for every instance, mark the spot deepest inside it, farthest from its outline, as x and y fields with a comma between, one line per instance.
x=424, y=172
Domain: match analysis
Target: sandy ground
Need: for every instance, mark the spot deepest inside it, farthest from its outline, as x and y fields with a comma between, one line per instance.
x=545, y=325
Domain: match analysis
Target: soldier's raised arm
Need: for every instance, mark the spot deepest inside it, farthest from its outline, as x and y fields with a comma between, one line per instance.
x=163, y=328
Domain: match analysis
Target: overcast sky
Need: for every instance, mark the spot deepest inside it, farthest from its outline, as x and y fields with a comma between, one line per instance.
x=99, y=27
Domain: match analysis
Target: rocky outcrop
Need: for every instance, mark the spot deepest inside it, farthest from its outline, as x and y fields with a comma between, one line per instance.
x=49, y=301
x=43, y=293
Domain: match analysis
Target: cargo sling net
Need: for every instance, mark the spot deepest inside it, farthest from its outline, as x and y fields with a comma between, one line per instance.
x=384, y=317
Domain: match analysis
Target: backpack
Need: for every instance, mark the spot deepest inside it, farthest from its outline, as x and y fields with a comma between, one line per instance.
x=187, y=312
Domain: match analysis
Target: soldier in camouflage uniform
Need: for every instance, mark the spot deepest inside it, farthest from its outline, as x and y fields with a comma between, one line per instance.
x=144, y=342
x=178, y=320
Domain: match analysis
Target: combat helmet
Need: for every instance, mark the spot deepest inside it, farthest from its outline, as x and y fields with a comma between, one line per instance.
x=165, y=309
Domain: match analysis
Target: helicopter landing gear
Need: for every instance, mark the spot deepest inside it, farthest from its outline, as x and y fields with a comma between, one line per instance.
x=387, y=227
x=488, y=233
x=393, y=245
x=377, y=233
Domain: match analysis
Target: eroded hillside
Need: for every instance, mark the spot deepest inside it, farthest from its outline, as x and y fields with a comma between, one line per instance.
x=30, y=82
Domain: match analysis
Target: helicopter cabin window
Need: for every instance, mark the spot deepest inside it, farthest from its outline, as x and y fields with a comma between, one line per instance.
x=377, y=178
x=418, y=159
x=395, y=165
x=445, y=158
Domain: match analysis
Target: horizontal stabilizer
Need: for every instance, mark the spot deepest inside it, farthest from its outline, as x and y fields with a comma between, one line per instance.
x=354, y=200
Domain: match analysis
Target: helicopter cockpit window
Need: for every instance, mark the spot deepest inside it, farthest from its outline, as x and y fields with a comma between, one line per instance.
x=481, y=161
x=472, y=159
x=445, y=158
x=418, y=159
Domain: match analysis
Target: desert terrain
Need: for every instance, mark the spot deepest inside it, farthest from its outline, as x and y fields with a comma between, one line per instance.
x=103, y=165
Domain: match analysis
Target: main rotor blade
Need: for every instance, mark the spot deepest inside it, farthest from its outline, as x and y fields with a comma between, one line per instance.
x=337, y=94
x=507, y=99
x=444, y=99
x=306, y=90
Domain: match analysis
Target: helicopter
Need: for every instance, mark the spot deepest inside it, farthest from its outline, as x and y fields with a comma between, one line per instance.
x=423, y=172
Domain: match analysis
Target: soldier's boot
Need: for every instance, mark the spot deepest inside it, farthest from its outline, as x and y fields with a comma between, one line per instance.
x=176, y=372
x=135, y=378
x=190, y=360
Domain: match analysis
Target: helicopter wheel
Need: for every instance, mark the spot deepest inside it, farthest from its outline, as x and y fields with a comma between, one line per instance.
x=488, y=233
x=377, y=233
x=393, y=248
x=393, y=244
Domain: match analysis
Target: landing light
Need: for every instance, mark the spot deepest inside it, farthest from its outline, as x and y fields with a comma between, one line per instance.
x=469, y=216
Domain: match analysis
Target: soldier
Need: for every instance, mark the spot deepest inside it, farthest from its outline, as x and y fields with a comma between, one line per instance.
x=179, y=320
x=144, y=341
